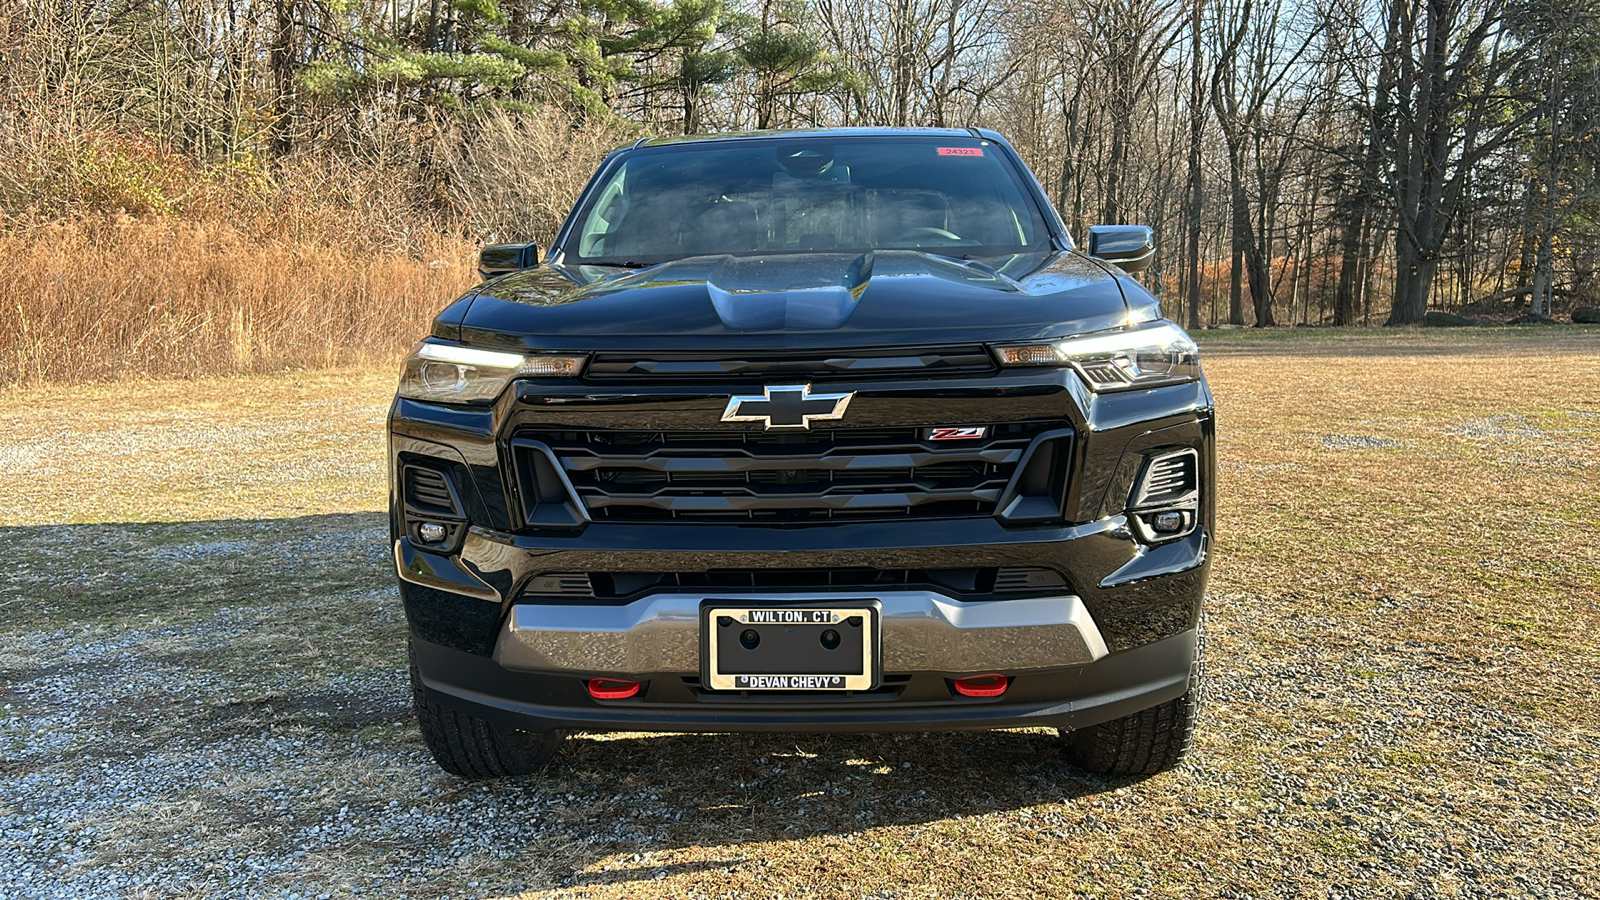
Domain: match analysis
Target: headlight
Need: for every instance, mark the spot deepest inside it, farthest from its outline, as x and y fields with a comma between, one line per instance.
x=449, y=373
x=1143, y=356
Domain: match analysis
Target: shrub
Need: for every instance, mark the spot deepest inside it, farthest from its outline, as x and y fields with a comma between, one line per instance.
x=513, y=176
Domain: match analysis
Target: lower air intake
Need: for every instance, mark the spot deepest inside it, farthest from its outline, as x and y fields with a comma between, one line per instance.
x=428, y=492
x=1168, y=478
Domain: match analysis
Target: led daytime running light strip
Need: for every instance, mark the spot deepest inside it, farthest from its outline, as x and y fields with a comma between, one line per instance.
x=471, y=356
x=1103, y=345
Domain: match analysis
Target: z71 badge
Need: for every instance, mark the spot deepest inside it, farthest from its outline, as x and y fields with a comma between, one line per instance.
x=957, y=432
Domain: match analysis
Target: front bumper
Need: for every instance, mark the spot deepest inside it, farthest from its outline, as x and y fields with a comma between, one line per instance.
x=1061, y=674
x=1073, y=697
x=1133, y=593
x=922, y=632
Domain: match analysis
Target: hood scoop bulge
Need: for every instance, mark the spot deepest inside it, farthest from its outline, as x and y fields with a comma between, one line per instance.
x=774, y=292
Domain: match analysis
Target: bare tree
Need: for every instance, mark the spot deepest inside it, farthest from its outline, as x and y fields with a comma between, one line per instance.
x=1258, y=124
x=1195, y=193
x=1449, y=111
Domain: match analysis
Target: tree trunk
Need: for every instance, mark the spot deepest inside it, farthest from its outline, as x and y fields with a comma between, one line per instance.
x=1301, y=278
x=281, y=60
x=1196, y=174
x=1413, y=282
x=1260, y=270
x=1540, y=301
x=1344, y=294
x=691, y=109
x=1111, y=210
x=1242, y=239
x=901, y=84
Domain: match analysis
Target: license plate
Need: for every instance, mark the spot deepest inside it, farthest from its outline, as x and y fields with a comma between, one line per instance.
x=790, y=648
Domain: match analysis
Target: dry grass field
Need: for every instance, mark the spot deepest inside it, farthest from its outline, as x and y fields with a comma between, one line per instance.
x=205, y=298
x=202, y=686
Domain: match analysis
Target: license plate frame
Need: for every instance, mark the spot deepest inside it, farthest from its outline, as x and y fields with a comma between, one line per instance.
x=796, y=659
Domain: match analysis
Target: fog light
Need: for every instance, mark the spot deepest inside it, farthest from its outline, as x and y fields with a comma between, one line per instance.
x=431, y=532
x=1167, y=522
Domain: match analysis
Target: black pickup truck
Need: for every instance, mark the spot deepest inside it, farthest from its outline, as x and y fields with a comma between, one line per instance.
x=806, y=431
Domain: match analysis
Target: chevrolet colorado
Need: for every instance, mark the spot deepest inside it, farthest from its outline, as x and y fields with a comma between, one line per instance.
x=805, y=431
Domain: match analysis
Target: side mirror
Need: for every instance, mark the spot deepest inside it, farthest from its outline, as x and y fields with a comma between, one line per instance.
x=495, y=260
x=1132, y=247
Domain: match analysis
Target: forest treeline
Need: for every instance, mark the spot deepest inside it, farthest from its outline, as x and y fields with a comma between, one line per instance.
x=1325, y=161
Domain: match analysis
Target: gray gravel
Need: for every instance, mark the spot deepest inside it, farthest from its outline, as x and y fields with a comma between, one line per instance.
x=1500, y=426
x=1357, y=442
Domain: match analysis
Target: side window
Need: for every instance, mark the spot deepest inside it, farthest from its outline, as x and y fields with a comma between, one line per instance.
x=604, y=216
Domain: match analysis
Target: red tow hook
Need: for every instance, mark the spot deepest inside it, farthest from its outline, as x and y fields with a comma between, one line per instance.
x=982, y=685
x=612, y=688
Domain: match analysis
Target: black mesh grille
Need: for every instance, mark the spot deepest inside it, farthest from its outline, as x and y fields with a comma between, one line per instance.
x=844, y=473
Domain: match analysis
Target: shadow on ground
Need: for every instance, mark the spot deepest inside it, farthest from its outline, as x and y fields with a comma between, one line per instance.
x=252, y=672
x=733, y=799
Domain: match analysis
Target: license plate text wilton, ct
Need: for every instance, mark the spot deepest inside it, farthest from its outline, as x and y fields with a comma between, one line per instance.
x=790, y=617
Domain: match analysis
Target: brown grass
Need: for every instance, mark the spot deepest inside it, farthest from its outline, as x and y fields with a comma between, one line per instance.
x=103, y=300
x=122, y=259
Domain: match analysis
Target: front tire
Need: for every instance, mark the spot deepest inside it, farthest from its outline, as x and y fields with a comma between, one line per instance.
x=472, y=747
x=1147, y=742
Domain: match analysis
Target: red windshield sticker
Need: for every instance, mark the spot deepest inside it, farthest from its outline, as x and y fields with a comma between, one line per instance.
x=960, y=151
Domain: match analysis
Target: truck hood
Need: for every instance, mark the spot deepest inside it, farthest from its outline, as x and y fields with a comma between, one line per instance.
x=797, y=301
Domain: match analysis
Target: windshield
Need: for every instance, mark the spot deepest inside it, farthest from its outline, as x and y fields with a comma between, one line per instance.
x=949, y=195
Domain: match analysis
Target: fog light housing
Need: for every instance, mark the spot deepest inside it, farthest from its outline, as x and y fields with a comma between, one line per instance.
x=431, y=532
x=1165, y=502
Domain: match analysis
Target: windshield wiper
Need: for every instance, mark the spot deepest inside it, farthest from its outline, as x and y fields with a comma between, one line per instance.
x=930, y=251
x=619, y=263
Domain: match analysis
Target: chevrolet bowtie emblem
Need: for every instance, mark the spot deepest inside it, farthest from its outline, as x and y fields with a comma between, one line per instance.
x=787, y=406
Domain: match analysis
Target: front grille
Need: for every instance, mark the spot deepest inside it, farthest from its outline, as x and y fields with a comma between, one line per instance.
x=743, y=476
x=921, y=362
